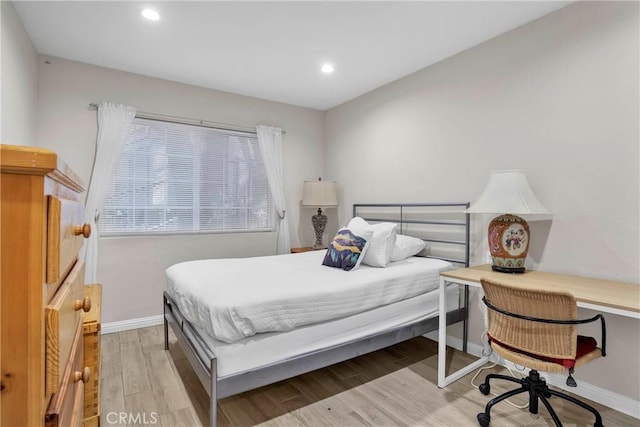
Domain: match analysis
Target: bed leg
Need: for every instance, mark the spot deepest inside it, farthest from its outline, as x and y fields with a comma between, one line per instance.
x=166, y=334
x=166, y=324
x=213, y=403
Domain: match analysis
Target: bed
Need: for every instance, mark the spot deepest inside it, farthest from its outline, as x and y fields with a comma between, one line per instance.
x=249, y=345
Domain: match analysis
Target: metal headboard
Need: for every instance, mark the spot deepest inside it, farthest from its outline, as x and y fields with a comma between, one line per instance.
x=444, y=226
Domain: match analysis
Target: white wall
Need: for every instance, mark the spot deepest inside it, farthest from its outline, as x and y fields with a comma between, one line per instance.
x=557, y=98
x=19, y=84
x=132, y=269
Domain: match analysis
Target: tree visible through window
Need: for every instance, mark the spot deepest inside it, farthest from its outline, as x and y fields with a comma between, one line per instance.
x=177, y=178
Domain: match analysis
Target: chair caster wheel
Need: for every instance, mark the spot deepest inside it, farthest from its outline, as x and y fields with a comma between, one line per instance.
x=483, y=419
x=484, y=388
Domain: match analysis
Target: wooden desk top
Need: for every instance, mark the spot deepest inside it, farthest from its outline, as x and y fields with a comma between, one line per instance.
x=596, y=292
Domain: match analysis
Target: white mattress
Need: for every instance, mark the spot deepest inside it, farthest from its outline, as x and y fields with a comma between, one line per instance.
x=271, y=348
x=231, y=299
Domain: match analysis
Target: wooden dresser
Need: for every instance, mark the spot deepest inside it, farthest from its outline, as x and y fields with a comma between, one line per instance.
x=42, y=290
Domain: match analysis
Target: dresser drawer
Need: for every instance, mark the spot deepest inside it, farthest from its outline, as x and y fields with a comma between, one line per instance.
x=66, y=406
x=62, y=318
x=66, y=232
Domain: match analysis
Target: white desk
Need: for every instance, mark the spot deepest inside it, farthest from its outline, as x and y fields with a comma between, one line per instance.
x=604, y=296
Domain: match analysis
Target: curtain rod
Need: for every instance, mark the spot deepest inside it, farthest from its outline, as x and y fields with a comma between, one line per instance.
x=188, y=121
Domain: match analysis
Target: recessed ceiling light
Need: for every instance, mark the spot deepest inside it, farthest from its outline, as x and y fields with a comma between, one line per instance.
x=327, y=68
x=150, y=14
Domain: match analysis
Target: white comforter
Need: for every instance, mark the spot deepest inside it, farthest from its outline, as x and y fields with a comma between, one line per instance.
x=235, y=298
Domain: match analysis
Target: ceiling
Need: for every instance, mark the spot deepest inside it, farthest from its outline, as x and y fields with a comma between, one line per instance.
x=272, y=50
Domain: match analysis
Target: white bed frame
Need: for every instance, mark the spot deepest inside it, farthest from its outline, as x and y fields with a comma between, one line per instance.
x=429, y=221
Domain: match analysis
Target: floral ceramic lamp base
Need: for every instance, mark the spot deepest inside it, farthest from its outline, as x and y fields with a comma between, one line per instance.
x=319, y=222
x=508, y=243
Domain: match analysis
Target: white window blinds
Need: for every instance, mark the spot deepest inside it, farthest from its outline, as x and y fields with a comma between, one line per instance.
x=177, y=178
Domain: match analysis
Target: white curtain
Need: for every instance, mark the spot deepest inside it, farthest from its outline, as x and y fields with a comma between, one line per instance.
x=114, y=123
x=270, y=142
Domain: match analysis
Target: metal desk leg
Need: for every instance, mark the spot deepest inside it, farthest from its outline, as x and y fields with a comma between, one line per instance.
x=443, y=379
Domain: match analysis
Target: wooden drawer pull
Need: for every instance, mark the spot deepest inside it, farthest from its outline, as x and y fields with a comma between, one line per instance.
x=85, y=230
x=83, y=375
x=84, y=304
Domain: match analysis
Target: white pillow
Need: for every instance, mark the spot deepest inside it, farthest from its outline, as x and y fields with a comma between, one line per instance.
x=406, y=246
x=382, y=243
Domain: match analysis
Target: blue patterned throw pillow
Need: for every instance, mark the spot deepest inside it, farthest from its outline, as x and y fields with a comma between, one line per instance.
x=347, y=249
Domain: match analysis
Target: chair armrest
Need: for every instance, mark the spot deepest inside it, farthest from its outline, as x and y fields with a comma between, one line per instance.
x=603, y=326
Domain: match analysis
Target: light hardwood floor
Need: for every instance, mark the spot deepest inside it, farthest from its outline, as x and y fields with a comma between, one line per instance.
x=391, y=387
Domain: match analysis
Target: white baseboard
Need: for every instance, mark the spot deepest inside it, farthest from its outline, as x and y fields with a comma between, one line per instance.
x=125, y=325
x=594, y=393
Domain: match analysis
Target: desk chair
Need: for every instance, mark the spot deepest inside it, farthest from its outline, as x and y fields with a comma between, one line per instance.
x=537, y=329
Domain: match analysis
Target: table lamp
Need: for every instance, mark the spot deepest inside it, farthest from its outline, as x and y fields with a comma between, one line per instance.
x=319, y=194
x=508, y=193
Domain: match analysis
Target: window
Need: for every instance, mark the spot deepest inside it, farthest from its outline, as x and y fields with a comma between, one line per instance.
x=175, y=178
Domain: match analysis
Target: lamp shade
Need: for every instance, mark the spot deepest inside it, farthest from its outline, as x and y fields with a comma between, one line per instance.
x=508, y=191
x=320, y=194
